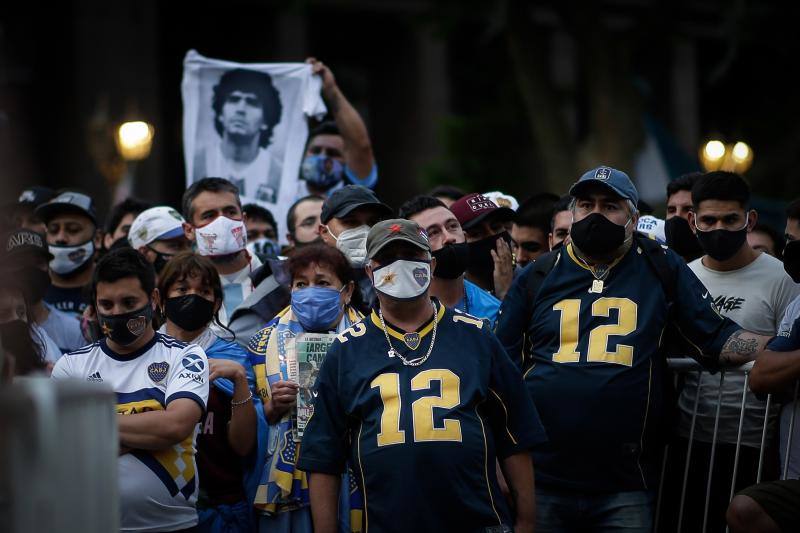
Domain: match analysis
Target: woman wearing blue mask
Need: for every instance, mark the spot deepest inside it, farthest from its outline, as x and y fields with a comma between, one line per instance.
x=322, y=301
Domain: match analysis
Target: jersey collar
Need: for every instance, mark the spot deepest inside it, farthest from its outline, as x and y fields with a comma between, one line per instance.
x=398, y=334
x=129, y=356
x=590, y=268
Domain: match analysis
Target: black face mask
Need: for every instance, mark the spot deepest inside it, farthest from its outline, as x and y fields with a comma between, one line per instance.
x=125, y=329
x=681, y=238
x=597, y=236
x=190, y=312
x=722, y=244
x=35, y=283
x=481, y=263
x=791, y=260
x=451, y=260
x=16, y=338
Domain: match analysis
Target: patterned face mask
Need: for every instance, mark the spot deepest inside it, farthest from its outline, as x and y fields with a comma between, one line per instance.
x=403, y=279
x=222, y=236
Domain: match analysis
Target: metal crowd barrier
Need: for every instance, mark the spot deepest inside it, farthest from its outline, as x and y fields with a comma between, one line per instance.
x=58, y=457
x=684, y=366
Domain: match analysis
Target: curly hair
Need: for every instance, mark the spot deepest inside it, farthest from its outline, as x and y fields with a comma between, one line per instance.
x=250, y=81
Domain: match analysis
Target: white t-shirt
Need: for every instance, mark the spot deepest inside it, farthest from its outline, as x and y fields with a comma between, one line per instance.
x=64, y=329
x=300, y=98
x=158, y=489
x=755, y=297
x=260, y=179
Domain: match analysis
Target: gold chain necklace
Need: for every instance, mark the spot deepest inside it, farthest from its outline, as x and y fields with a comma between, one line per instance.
x=394, y=353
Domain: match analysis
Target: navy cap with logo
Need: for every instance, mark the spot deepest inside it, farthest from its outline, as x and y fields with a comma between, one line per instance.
x=35, y=196
x=66, y=202
x=615, y=180
x=350, y=197
x=386, y=232
x=22, y=242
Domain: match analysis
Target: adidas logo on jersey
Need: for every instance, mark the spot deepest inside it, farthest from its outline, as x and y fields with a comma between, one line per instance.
x=95, y=377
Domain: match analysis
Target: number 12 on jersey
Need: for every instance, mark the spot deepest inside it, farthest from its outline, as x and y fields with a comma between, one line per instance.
x=424, y=428
x=598, y=352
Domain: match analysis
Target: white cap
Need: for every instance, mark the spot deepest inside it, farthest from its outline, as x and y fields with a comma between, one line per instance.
x=502, y=199
x=652, y=227
x=156, y=223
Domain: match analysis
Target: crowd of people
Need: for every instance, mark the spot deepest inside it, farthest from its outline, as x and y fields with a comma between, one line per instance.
x=493, y=366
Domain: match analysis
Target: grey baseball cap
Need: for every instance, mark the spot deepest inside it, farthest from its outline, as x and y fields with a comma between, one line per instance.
x=396, y=229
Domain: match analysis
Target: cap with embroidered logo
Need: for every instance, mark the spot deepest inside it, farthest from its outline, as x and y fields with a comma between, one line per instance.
x=156, y=223
x=615, y=180
x=396, y=229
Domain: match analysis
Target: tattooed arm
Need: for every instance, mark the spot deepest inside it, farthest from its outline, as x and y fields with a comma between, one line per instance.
x=742, y=347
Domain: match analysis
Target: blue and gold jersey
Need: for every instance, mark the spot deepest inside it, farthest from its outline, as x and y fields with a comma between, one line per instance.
x=593, y=368
x=422, y=440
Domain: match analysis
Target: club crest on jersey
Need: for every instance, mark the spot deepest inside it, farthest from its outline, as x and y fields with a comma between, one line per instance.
x=412, y=340
x=603, y=173
x=421, y=276
x=158, y=371
x=136, y=325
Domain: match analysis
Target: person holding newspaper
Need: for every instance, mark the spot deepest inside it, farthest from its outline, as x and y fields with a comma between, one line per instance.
x=323, y=304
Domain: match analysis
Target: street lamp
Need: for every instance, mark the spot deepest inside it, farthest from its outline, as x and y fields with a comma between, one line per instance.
x=134, y=140
x=736, y=157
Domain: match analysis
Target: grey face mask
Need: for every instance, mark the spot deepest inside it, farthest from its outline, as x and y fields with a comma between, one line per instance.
x=353, y=244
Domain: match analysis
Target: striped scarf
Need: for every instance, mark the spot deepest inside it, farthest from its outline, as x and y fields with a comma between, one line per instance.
x=282, y=487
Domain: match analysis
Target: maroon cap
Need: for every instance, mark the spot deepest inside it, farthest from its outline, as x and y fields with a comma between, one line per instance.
x=473, y=208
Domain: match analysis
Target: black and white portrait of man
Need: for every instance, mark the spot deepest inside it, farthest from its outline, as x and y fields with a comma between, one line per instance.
x=246, y=107
x=248, y=123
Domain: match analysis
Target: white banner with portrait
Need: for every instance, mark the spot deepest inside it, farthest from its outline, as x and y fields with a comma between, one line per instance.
x=247, y=122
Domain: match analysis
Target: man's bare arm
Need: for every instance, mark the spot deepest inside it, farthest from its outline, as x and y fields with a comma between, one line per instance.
x=357, y=145
x=323, y=492
x=775, y=372
x=742, y=347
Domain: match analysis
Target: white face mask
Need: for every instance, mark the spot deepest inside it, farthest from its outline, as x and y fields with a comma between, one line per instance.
x=68, y=259
x=401, y=279
x=353, y=244
x=223, y=236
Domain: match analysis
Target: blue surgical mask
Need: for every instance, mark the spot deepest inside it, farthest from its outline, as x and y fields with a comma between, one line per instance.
x=316, y=308
x=322, y=171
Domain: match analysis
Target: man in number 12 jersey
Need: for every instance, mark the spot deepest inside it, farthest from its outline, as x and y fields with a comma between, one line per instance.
x=422, y=401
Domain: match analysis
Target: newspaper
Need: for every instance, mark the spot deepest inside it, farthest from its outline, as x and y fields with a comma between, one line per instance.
x=310, y=350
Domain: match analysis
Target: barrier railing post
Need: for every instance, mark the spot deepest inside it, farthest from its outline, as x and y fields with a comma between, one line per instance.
x=713, y=451
x=689, y=451
x=739, y=439
x=785, y=473
x=763, y=439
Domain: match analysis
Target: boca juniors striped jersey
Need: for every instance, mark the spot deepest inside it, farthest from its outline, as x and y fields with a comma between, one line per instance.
x=158, y=489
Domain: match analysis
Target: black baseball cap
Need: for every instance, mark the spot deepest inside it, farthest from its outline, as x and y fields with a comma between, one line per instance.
x=348, y=198
x=68, y=201
x=22, y=242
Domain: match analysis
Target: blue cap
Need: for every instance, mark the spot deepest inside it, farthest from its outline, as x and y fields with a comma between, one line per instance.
x=616, y=180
